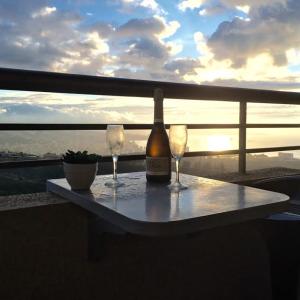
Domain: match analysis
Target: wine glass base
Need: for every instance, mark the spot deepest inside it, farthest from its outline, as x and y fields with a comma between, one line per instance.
x=176, y=187
x=114, y=183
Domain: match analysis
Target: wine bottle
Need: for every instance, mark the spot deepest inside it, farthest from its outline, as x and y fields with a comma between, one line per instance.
x=158, y=154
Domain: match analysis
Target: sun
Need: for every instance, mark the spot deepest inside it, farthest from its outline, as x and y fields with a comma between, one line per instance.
x=218, y=143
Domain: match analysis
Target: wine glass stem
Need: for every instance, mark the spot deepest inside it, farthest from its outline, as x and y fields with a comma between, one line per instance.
x=177, y=160
x=115, y=161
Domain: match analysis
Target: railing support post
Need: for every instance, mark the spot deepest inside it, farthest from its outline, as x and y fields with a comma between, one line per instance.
x=242, y=137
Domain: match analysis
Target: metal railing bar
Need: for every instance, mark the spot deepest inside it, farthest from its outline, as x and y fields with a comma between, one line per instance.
x=32, y=126
x=29, y=163
x=242, y=137
x=51, y=162
x=262, y=125
x=210, y=153
x=36, y=126
x=272, y=149
x=28, y=80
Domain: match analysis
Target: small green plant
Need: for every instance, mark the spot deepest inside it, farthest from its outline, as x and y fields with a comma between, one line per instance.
x=80, y=157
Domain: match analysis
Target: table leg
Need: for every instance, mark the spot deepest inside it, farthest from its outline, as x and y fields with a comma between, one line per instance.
x=98, y=229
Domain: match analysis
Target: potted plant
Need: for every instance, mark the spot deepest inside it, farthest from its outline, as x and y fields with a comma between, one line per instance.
x=80, y=169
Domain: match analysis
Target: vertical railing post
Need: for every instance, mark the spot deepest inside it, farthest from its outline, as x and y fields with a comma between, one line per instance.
x=242, y=137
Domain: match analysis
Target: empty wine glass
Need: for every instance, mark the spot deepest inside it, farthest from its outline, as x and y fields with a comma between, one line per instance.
x=178, y=140
x=115, y=140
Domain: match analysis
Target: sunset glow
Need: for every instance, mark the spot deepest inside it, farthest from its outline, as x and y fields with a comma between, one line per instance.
x=218, y=143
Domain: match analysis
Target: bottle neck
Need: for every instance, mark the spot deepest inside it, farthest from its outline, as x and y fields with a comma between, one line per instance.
x=158, y=112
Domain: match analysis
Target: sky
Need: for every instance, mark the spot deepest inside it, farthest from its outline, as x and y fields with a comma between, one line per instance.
x=230, y=42
x=241, y=43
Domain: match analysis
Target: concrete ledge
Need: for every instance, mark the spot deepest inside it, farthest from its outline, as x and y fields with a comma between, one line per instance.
x=29, y=200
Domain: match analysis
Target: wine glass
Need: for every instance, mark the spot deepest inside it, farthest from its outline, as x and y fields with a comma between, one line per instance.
x=178, y=140
x=115, y=140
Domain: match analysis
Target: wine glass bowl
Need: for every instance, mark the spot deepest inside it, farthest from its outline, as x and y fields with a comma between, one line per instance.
x=178, y=140
x=115, y=138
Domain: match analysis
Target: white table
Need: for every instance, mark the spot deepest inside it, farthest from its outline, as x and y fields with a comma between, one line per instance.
x=152, y=210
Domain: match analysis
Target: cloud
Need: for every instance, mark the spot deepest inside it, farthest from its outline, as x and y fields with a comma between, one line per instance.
x=55, y=40
x=155, y=26
x=26, y=109
x=182, y=66
x=140, y=27
x=260, y=84
x=19, y=10
x=71, y=108
x=44, y=38
x=216, y=7
x=151, y=5
x=190, y=4
x=247, y=5
x=244, y=8
x=272, y=30
x=147, y=49
x=85, y=113
x=260, y=68
x=47, y=10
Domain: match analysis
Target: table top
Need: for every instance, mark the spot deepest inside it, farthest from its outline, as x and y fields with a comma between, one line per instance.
x=152, y=209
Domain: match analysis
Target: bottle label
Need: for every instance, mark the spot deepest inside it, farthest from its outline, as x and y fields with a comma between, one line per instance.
x=157, y=165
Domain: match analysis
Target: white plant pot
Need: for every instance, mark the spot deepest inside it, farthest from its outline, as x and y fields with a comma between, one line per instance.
x=80, y=176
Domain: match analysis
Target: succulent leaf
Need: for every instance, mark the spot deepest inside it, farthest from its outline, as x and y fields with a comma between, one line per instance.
x=80, y=157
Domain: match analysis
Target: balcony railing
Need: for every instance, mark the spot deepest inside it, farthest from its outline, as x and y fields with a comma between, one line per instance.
x=13, y=79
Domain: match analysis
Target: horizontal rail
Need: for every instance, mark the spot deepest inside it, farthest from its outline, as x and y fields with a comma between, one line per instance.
x=272, y=149
x=33, y=126
x=30, y=126
x=51, y=162
x=27, y=80
x=262, y=125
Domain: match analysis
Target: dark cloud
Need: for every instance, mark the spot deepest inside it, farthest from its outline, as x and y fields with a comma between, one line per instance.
x=147, y=53
x=18, y=10
x=147, y=47
x=105, y=30
x=141, y=27
x=183, y=66
x=48, y=39
x=32, y=37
